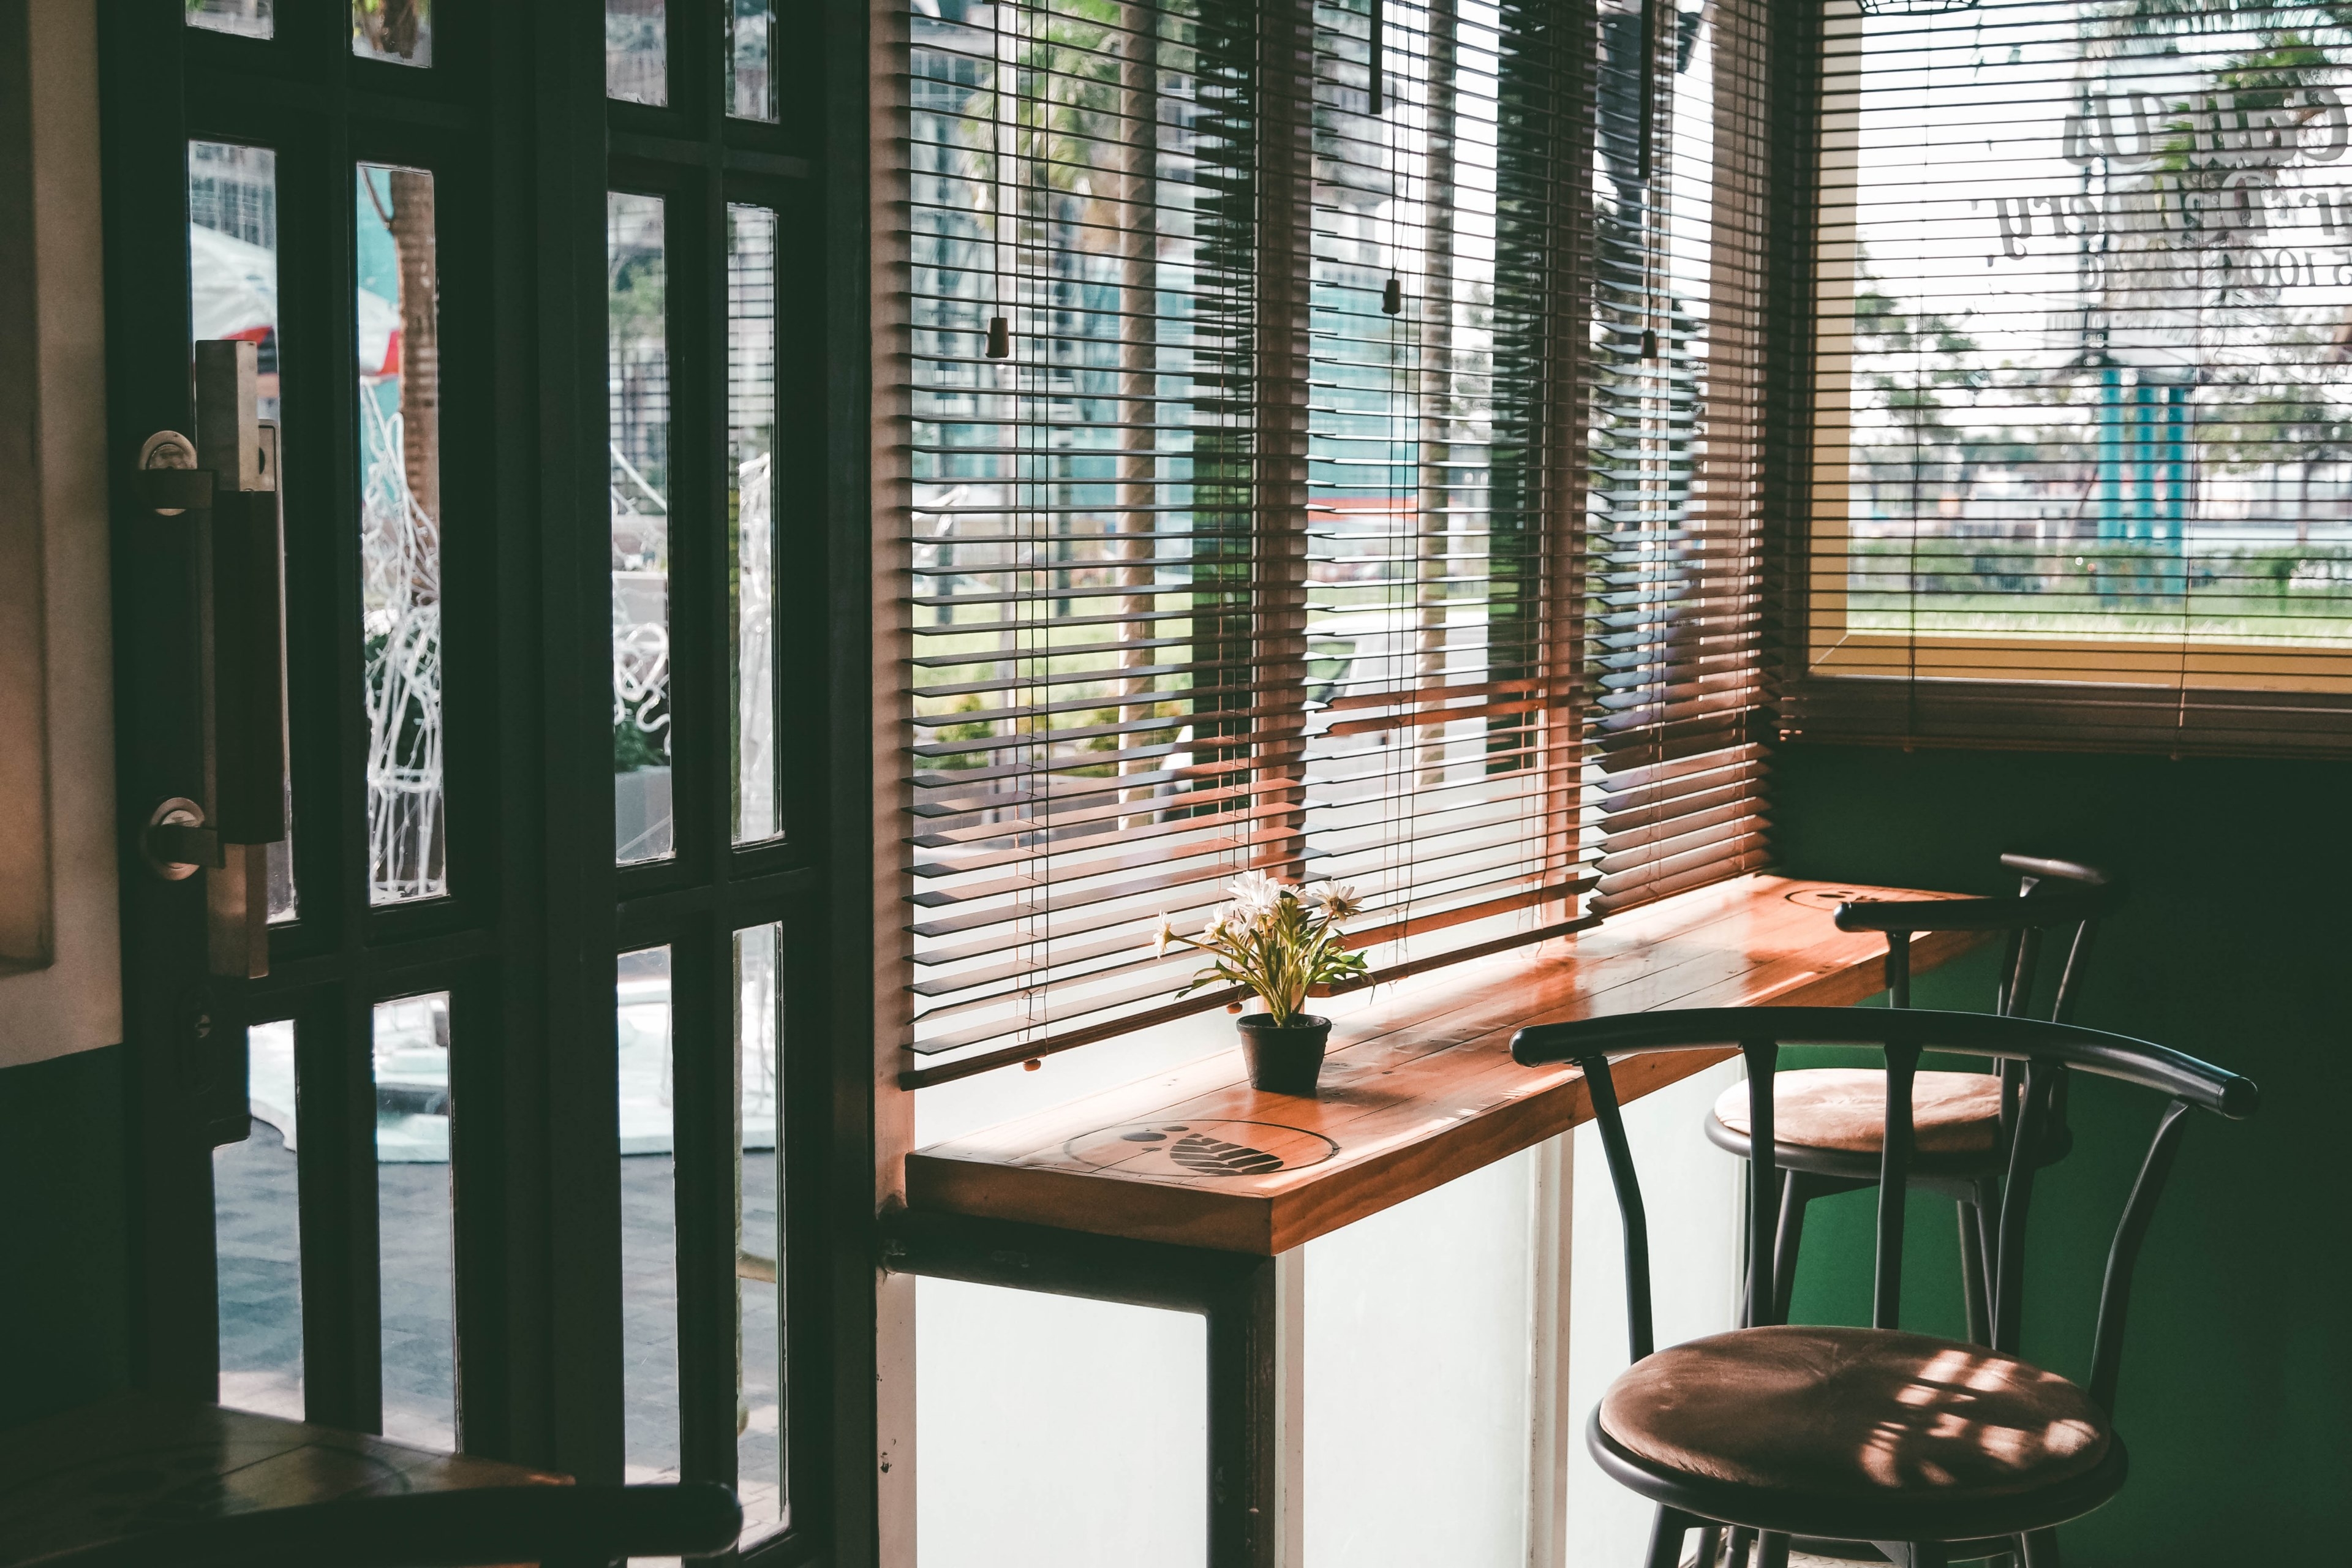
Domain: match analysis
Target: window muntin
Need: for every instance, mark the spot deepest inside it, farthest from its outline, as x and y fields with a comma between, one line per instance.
x=398, y=348
x=2083, y=275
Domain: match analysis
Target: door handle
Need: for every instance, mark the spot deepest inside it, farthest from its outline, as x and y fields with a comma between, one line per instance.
x=225, y=483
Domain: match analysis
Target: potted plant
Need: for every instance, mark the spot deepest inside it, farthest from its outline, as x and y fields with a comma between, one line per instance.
x=1281, y=943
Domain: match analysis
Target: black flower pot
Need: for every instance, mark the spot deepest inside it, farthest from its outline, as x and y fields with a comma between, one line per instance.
x=1285, y=1060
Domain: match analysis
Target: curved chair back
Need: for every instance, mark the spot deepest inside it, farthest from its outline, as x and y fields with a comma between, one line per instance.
x=2081, y=896
x=557, y=1525
x=2045, y=1051
x=2052, y=897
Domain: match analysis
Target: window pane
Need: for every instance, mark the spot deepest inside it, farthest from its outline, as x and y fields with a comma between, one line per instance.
x=639, y=368
x=396, y=30
x=759, y=1234
x=636, y=51
x=750, y=25
x=247, y=18
x=416, y=1220
x=752, y=492
x=648, y=1220
x=1058, y=1431
x=232, y=293
x=1434, y=1293
x=258, y=1239
x=400, y=531
x=2087, y=265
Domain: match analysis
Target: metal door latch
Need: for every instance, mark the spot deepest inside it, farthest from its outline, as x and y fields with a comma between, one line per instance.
x=225, y=484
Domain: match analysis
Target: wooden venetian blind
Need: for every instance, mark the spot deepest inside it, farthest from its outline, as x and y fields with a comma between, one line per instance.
x=2083, y=467
x=1680, y=156
x=1251, y=525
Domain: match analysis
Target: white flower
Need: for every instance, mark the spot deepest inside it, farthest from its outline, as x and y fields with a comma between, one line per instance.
x=1337, y=899
x=1166, y=939
x=1254, y=894
x=1214, y=930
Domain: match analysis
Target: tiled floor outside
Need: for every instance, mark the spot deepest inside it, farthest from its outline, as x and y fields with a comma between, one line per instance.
x=260, y=1297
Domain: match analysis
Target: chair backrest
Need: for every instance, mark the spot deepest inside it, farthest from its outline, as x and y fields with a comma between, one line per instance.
x=469, y=1527
x=2080, y=897
x=2047, y=1050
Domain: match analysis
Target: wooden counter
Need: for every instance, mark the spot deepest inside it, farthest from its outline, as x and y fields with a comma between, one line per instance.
x=1415, y=1091
x=121, y=1467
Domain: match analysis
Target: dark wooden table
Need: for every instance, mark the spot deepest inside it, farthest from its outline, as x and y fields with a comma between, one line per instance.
x=123, y=1466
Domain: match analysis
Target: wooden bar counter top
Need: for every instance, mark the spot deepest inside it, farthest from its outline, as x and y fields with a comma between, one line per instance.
x=1417, y=1090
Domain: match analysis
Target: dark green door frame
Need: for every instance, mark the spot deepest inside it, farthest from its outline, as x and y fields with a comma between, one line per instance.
x=514, y=124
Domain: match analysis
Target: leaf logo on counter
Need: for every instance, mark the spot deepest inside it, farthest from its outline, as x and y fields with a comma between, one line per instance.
x=1214, y=1157
x=1184, y=1151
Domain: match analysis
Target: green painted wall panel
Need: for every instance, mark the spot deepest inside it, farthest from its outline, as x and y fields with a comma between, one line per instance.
x=2233, y=946
x=64, y=1234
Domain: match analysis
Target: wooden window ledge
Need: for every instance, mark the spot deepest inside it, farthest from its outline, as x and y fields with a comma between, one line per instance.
x=1416, y=1090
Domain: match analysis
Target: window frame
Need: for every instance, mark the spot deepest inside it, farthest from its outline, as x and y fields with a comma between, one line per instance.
x=2091, y=694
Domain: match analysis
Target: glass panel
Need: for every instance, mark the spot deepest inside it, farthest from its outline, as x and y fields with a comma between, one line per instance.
x=750, y=25
x=416, y=1220
x=639, y=369
x=759, y=1234
x=636, y=51
x=1060, y=1431
x=396, y=30
x=232, y=293
x=400, y=531
x=247, y=19
x=1692, y=1196
x=648, y=1220
x=257, y=1238
x=752, y=492
x=2090, y=263
x=1434, y=1294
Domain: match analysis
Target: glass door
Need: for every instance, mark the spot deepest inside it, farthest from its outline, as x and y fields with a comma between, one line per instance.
x=491, y=1118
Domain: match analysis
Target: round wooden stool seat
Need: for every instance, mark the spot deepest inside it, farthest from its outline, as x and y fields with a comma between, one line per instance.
x=1863, y=1434
x=1845, y=1109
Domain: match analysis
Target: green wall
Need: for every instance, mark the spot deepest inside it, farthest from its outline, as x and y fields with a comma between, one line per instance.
x=2233, y=947
x=64, y=1235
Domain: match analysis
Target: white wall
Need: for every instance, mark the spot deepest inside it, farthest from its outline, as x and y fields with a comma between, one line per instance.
x=1418, y=1394
x=61, y=984
x=1059, y=1433
x=1690, y=1193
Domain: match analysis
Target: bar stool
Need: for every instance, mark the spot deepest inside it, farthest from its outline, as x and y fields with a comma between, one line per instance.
x=1933, y=1450
x=1829, y=1127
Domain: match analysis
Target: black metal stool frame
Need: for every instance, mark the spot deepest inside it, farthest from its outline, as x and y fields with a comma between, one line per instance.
x=1972, y=1180
x=1914, y=1534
